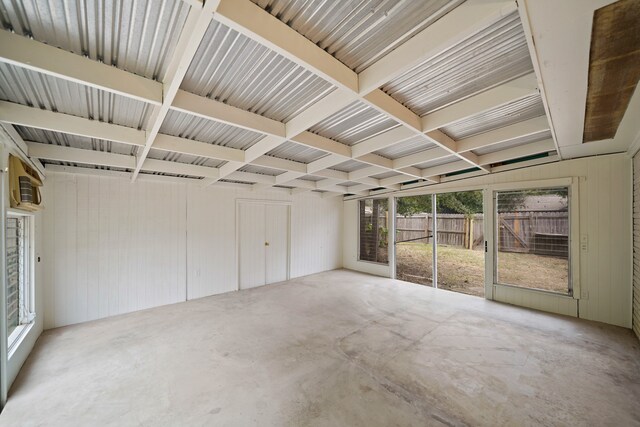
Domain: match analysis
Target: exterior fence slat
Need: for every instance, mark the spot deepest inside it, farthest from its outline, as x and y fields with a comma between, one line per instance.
x=543, y=233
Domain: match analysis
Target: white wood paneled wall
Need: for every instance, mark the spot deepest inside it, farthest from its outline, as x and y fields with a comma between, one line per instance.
x=636, y=244
x=113, y=247
x=605, y=217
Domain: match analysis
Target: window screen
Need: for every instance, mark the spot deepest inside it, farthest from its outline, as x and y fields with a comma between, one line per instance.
x=373, y=230
x=533, y=239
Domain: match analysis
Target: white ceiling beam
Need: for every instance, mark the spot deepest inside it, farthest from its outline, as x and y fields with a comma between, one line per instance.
x=280, y=164
x=210, y=109
x=366, y=172
x=79, y=170
x=66, y=123
x=325, y=162
x=288, y=177
x=454, y=27
x=164, y=166
x=358, y=188
x=567, y=25
x=251, y=20
x=374, y=182
x=393, y=180
x=345, y=190
x=42, y=58
x=19, y=148
x=383, y=140
x=386, y=104
x=325, y=107
x=420, y=157
x=507, y=133
x=252, y=177
x=527, y=163
x=520, y=151
x=444, y=169
x=100, y=158
x=332, y=173
x=304, y=184
x=193, y=31
x=375, y=160
x=48, y=120
x=484, y=101
x=196, y=148
x=328, y=182
x=77, y=155
x=318, y=142
x=263, y=146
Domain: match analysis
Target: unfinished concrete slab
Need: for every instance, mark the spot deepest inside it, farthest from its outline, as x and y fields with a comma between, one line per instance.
x=335, y=349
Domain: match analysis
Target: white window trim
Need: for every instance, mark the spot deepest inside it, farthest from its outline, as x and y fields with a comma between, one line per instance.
x=388, y=263
x=574, y=235
x=17, y=335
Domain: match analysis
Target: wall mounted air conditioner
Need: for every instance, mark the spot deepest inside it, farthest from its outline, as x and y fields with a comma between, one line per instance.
x=24, y=186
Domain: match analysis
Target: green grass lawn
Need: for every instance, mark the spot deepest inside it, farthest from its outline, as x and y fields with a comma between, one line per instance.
x=462, y=270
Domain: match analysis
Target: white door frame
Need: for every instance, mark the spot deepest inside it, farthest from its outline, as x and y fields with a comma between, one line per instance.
x=240, y=202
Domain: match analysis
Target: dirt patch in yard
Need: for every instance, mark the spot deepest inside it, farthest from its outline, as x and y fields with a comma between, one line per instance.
x=462, y=270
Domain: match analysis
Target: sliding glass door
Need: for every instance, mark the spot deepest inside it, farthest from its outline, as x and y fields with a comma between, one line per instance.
x=440, y=240
x=414, y=239
x=460, y=242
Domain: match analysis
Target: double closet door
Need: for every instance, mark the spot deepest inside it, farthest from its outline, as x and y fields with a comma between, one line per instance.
x=263, y=243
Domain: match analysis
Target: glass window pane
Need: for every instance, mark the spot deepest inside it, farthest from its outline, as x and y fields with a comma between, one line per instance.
x=373, y=215
x=460, y=242
x=414, y=240
x=533, y=239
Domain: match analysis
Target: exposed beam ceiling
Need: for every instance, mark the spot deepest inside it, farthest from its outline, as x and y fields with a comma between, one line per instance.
x=252, y=21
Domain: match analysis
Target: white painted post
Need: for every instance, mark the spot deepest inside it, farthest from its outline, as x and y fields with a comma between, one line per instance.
x=434, y=239
x=489, y=242
x=391, y=237
x=4, y=353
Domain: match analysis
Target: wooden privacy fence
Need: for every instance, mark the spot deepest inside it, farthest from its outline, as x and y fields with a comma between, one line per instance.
x=453, y=229
x=542, y=233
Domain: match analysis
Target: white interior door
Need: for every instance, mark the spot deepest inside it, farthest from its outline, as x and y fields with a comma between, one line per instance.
x=251, y=236
x=277, y=242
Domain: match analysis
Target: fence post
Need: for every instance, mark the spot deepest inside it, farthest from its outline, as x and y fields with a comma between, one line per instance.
x=471, y=233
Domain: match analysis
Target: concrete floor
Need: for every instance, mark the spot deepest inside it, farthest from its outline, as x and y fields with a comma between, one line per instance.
x=333, y=349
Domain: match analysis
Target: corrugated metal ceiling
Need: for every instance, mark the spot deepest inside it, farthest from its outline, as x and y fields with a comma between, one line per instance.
x=349, y=166
x=493, y=56
x=143, y=172
x=438, y=162
x=137, y=36
x=184, y=158
x=261, y=170
x=312, y=178
x=387, y=175
x=234, y=69
x=191, y=127
x=508, y=114
x=348, y=183
x=83, y=165
x=296, y=152
x=354, y=123
x=358, y=32
x=27, y=87
x=513, y=143
x=406, y=148
x=74, y=141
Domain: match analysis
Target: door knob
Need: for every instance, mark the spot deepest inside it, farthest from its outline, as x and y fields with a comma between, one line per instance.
x=266, y=243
